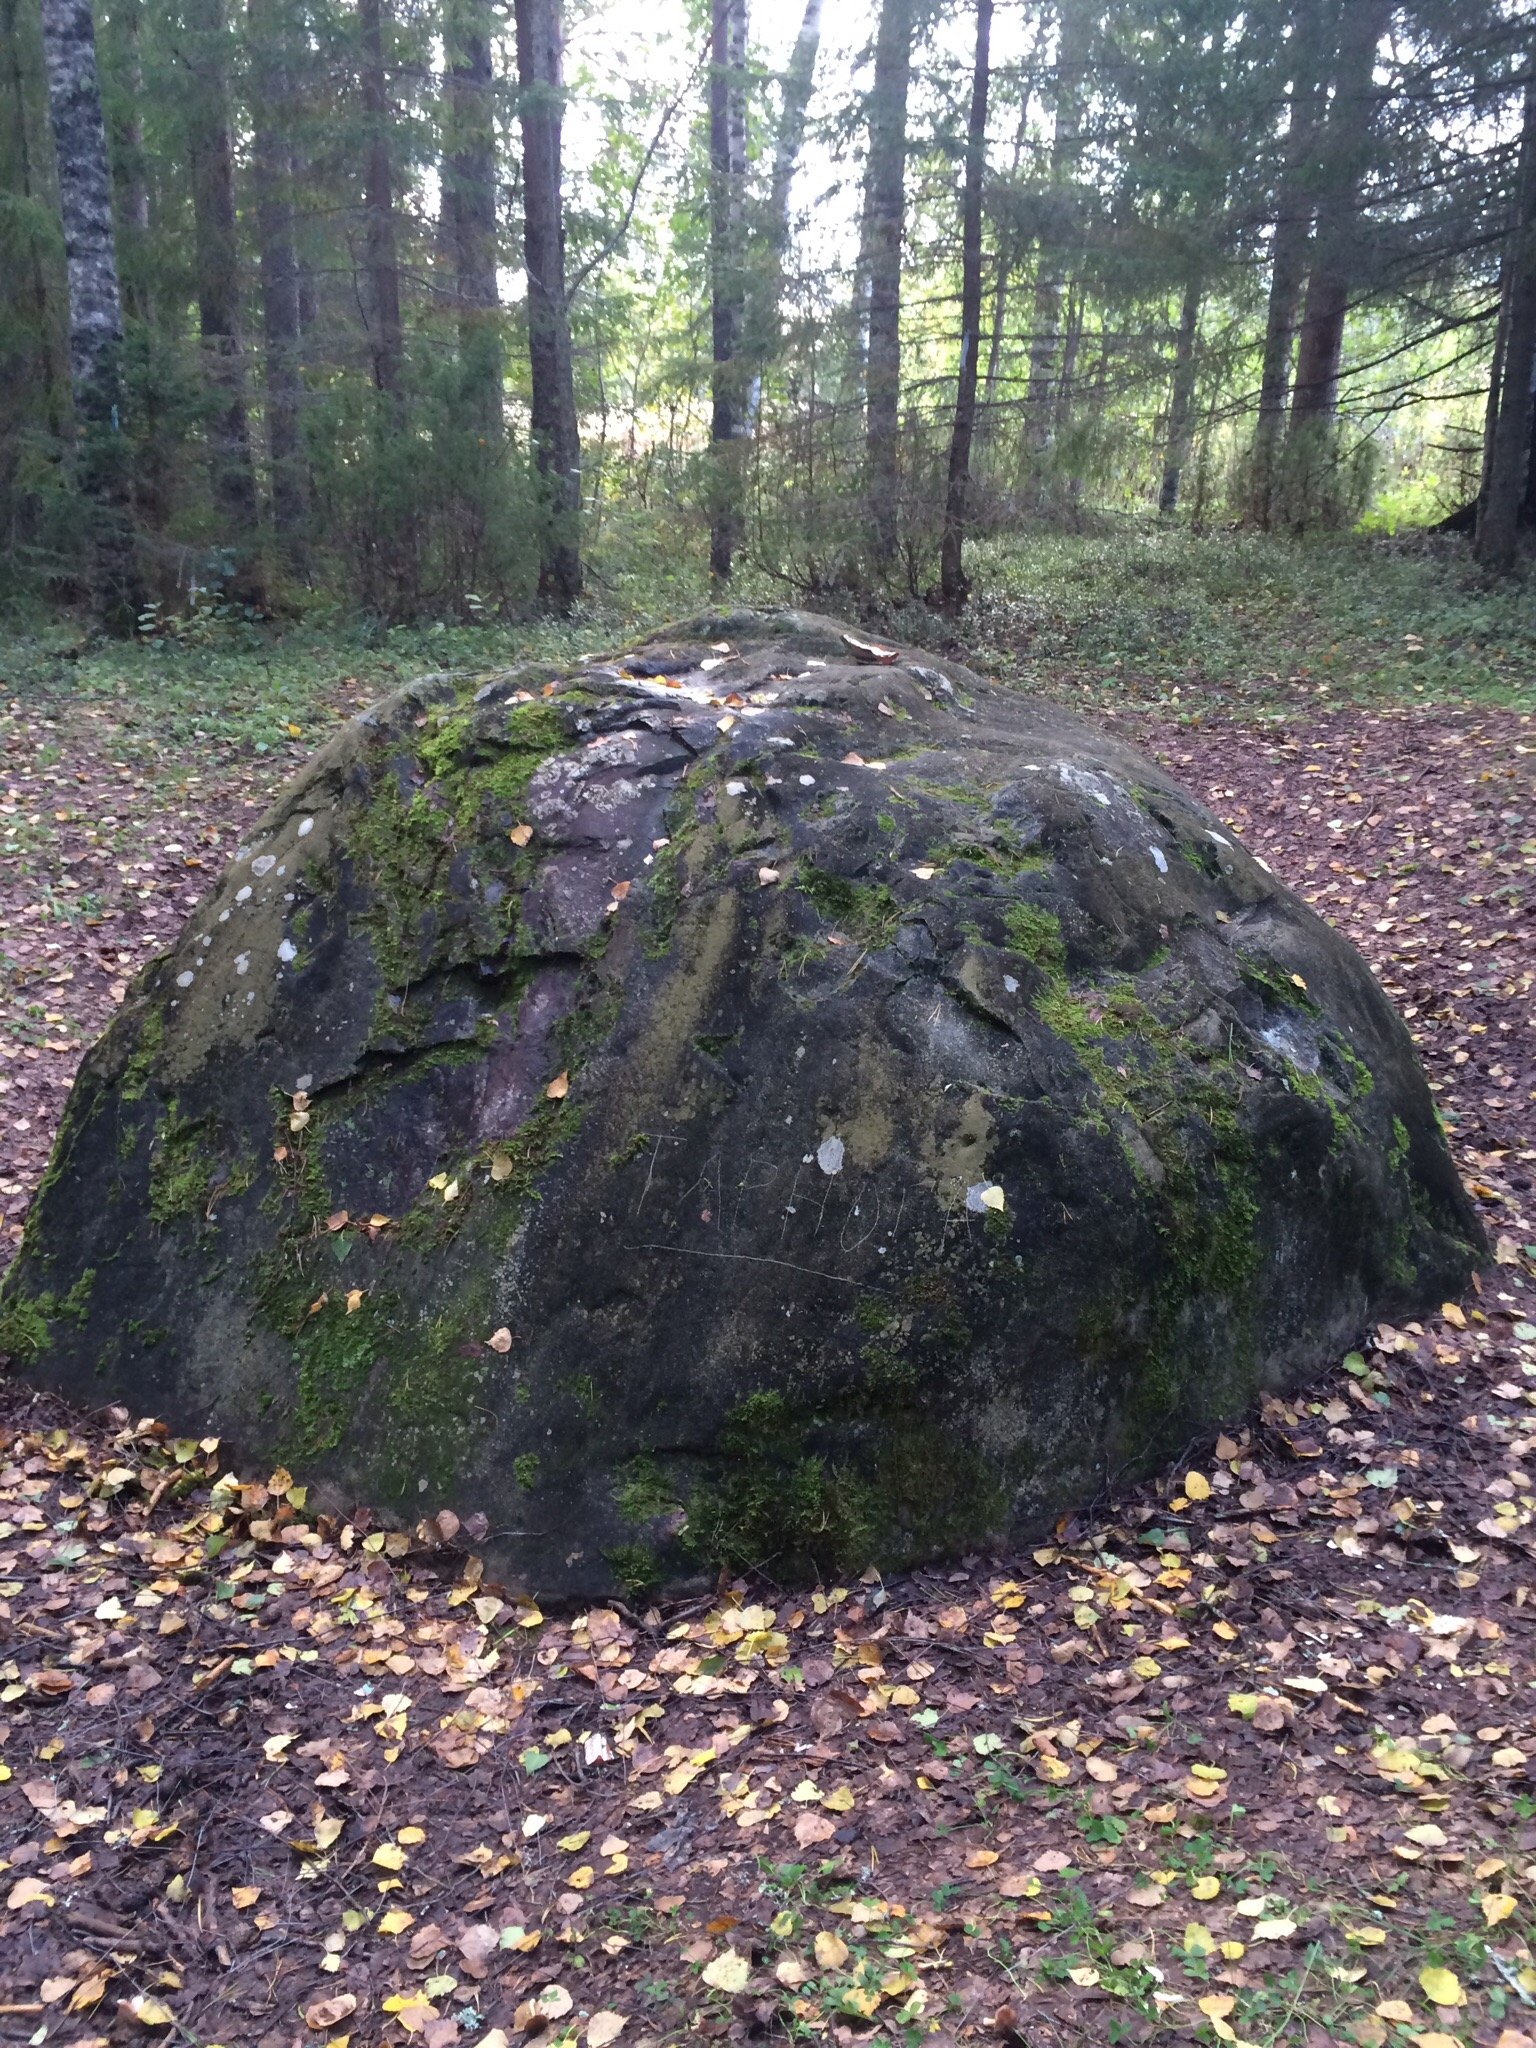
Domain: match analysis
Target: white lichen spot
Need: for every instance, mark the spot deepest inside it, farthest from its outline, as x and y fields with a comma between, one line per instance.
x=185, y=978
x=242, y=963
x=829, y=1154
x=1011, y=984
x=303, y=1084
x=287, y=951
x=306, y=826
x=807, y=782
x=735, y=789
x=223, y=917
x=264, y=864
x=243, y=895
x=1159, y=859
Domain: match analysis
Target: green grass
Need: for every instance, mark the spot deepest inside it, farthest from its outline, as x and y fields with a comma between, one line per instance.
x=1154, y=612
x=1132, y=612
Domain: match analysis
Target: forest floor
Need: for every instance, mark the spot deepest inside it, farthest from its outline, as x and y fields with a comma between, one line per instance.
x=1251, y=1756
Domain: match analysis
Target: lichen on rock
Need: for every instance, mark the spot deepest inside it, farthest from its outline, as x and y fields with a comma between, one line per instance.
x=733, y=1104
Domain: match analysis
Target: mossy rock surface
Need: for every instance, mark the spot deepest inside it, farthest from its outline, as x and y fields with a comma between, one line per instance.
x=733, y=1104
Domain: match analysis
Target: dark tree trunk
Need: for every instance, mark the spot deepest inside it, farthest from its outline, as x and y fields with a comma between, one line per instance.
x=1181, y=400
x=1315, y=395
x=470, y=194
x=95, y=307
x=232, y=474
x=48, y=366
x=1004, y=272
x=556, y=437
x=132, y=168
x=383, y=256
x=1288, y=270
x=272, y=58
x=727, y=181
x=1510, y=459
x=885, y=200
x=952, y=583
x=1042, y=411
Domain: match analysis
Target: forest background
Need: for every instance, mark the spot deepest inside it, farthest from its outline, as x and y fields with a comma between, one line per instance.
x=433, y=311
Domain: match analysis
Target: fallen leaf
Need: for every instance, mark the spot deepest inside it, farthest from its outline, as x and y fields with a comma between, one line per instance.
x=327, y=2012
x=1441, y=1987
x=728, y=1972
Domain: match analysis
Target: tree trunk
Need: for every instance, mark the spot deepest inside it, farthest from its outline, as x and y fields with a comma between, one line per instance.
x=470, y=193
x=95, y=306
x=1181, y=400
x=765, y=270
x=556, y=437
x=272, y=59
x=1004, y=273
x=799, y=76
x=1288, y=269
x=1073, y=48
x=952, y=583
x=132, y=169
x=885, y=181
x=232, y=474
x=727, y=181
x=1509, y=463
x=1315, y=396
x=383, y=257
x=46, y=358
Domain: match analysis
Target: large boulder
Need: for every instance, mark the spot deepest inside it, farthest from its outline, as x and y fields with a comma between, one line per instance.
x=752, y=1101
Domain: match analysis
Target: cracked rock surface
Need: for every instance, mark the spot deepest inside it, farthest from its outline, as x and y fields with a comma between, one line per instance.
x=767, y=1099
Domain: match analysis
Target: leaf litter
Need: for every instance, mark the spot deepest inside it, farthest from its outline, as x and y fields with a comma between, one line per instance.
x=1248, y=1757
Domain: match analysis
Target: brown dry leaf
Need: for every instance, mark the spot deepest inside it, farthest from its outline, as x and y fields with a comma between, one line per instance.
x=559, y=1088
x=328, y=2012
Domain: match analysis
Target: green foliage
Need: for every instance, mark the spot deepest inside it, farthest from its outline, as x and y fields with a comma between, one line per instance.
x=866, y=911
